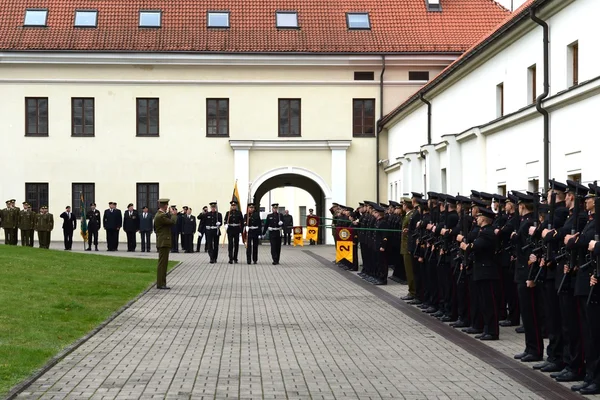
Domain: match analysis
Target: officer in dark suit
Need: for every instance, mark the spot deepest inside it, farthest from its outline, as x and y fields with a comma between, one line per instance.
x=113, y=221
x=175, y=231
x=180, y=222
x=254, y=225
x=188, y=229
x=146, y=228
x=213, y=221
x=234, y=221
x=274, y=225
x=93, y=217
x=131, y=225
x=69, y=225
x=201, y=229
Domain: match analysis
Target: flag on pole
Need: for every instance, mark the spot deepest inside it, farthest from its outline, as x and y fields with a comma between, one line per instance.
x=83, y=224
x=236, y=195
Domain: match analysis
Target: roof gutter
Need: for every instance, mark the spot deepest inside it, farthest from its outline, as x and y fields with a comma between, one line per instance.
x=539, y=100
x=379, y=127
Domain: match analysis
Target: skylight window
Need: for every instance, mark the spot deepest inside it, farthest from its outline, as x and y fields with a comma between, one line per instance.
x=35, y=17
x=287, y=19
x=218, y=19
x=86, y=18
x=358, y=21
x=150, y=19
x=434, y=5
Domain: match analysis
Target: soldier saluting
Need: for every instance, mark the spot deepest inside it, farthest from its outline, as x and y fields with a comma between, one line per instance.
x=254, y=224
x=93, y=217
x=163, y=223
x=273, y=225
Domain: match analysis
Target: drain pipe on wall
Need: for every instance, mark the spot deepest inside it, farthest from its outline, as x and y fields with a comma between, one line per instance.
x=539, y=100
x=428, y=117
x=379, y=128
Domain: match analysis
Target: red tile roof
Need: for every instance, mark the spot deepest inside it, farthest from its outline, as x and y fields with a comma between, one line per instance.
x=397, y=26
x=517, y=16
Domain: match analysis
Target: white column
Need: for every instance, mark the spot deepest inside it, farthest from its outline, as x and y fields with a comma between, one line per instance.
x=241, y=170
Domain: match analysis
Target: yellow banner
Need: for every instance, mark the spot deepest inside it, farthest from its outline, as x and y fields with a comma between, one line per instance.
x=298, y=240
x=344, y=251
x=312, y=233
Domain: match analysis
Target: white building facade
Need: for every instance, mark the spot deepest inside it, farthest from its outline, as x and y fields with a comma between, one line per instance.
x=486, y=132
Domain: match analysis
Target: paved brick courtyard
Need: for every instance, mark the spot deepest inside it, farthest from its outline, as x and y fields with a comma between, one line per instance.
x=300, y=330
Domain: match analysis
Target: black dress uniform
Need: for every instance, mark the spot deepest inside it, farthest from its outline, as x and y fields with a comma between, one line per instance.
x=382, y=247
x=234, y=222
x=213, y=221
x=254, y=225
x=288, y=224
x=69, y=225
x=112, y=220
x=274, y=225
x=188, y=230
x=201, y=231
x=94, y=224
x=131, y=224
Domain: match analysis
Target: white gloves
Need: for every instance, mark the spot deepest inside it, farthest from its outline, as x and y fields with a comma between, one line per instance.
x=259, y=237
x=280, y=223
x=226, y=226
x=218, y=224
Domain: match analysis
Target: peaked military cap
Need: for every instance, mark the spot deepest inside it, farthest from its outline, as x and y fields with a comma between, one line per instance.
x=510, y=198
x=349, y=209
x=232, y=202
x=310, y=209
x=432, y=195
x=334, y=204
x=475, y=193
x=92, y=204
x=522, y=197
x=212, y=203
x=577, y=188
x=394, y=203
x=417, y=195
x=7, y=201
x=384, y=205
x=422, y=202
x=486, y=212
x=406, y=200
x=277, y=205
x=554, y=184
x=594, y=190
x=360, y=203
x=252, y=205
x=478, y=202
x=498, y=198
x=462, y=199
x=486, y=196
x=162, y=201
x=13, y=200
x=441, y=197
x=450, y=199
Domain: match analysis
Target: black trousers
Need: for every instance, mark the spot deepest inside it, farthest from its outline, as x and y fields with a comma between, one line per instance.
x=589, y=342
x=112, y=239
x=530, y=304
x=287, y=236
x=92, y=238
x=382, y=265
x=463, y=296
x=571, y=318
x=145, y=236
x=233, y=244
x=399, y=271
x=68, y=235
x=593, y=317
x=199, y=242
x=188, y=242
x=553, y=323
x=488, y=297
x=212, y=239
x=27, y=237
x=131, y=241
x=417, y=272
x=252, y=248
x=275, y=239
x=475, y=304
x=174, y=241
x=511, y=296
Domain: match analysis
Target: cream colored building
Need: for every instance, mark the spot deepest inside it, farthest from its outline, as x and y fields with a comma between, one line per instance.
x=129, y=122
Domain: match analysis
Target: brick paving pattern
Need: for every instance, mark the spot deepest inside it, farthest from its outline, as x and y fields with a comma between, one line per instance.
x=293, y=331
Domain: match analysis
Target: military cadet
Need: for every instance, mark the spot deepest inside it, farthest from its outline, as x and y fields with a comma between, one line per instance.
x=591, y=385
x=459, y=233
x=213, y=221
x=201, y=229
x=94, y=225
x=188, y=228
x=363, y=224
x=253, y=225
x=131, y=225
x=288, y=224
x=446, y=283
x=44, y=225
x=423, y=255
x=407, y=247
x=146, y=228
x=112, y=221
x=69, y=225
x=234, y=222
x=274, y=225
x=26, y=225
x=381, y=244
x=508, y=261
x=163, y=222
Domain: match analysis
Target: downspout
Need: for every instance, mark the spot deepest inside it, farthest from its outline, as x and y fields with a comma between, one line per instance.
x=428, y=116
x=540, y=98
x=379, y=128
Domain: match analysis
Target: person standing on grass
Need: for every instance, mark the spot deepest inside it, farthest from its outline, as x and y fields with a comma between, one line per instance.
x=44, y=225
x=163, y=221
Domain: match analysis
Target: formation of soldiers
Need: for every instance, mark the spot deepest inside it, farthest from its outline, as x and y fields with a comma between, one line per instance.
x=489, y=260
x=13, y=219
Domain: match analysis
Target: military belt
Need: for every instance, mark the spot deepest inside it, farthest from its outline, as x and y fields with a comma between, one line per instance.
x=212, y=227
x=234, y=224
x=253, y=227
x=274, y=229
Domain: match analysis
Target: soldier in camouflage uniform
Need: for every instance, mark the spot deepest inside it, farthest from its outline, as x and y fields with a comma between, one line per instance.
x=10, y=220
x=26, y=225
x=44, y=225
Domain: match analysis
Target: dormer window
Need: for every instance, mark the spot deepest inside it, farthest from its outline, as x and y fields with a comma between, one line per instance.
x=218, y=19
x=286, y=19
x=358, y=21
x=150, y=19
x=35, y=17
x=433, y=5
x=86, y=18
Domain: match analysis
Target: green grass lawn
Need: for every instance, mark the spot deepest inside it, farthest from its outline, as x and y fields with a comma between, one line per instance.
x=49, y=299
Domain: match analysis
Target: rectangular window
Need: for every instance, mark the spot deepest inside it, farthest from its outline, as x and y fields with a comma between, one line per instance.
x=217, y=117
x=534, y=185
x=289, y=117
x=86, y=18
x=147, y=117
x=36, y=194
x=502, y=190
x=500, y=100
x=364, y=76
x=575, y=177
x=531, y=84
x=434, y=5
x=358, y=21
x=286, y=19
x=147, y=195
x=573, y=64
x=150, y=19
x=363, y=117
x=36, y=111
x=35, y=17
x=82, y=114
x=302, y=213
x=418, y=75
x=89, y=196
x=217, y=19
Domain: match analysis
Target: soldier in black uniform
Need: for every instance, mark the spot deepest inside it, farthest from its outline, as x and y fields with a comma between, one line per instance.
x=445, y=278
x=188, y=230
x=234, y=222
x=202, y=229
x=381, y=244
x=93, y=217
x=458, y=233
x=288, y=224
x=112, y=221
x=274, y=225
x=253, y=224
x=508, y=261
x=131, y=225
x=213, y=220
